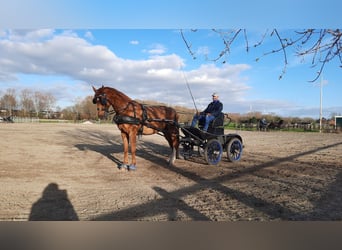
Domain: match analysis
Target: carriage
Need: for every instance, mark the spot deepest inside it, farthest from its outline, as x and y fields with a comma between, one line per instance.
x=211, y=144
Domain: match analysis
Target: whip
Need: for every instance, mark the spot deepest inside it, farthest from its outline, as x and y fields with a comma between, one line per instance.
x=187, y=84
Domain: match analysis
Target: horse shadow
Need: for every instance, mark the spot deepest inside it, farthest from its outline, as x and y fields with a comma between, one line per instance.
x=97, y=141
x=108, y=144
x=155, y=153
x=54, y=205
x=105, y=150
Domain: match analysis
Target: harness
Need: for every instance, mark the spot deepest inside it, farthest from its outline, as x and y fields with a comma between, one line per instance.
x=126, y=119
x=144, y=120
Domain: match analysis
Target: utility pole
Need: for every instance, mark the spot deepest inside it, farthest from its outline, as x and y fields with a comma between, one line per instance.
x=320, y=102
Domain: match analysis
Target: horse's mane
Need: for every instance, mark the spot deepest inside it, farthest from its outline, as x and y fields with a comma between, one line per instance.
x=121, y=95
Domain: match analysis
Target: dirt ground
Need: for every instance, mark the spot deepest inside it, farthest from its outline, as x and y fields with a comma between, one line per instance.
x=69, y=172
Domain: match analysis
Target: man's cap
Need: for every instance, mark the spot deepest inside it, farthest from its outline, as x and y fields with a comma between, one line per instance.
x=214, y=94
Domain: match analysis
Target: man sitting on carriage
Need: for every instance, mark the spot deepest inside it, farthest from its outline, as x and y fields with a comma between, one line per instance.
x=213, y=110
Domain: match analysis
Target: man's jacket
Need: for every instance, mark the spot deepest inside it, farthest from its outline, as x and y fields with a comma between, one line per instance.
x=214, y=108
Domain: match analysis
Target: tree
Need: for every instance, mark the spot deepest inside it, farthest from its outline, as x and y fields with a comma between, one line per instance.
x=9, y=101
x=322, y=45
x=88, y=108
x=69, y=113
x=50, y=101
x=26, y=98
x=38, y=102
x=77, y=109
x=43, y=102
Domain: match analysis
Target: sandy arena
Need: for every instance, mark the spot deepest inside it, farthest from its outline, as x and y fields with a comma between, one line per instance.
x=69, y=172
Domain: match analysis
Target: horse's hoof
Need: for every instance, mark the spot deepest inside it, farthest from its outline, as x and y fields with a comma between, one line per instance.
x=180, y=157
x=125, y=166
x=171, y=164
x=132, y=167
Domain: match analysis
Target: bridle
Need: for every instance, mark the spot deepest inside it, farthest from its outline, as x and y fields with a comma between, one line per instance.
x=103, y=100
x=100, y=98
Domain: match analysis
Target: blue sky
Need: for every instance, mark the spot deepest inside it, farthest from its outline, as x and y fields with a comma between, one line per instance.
x=65, y=47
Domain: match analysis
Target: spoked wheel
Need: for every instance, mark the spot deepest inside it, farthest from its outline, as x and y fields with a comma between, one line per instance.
x=213, y=152
x=234, y=149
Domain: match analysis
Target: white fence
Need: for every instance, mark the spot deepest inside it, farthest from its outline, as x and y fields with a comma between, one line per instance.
x=25, y=119
x=40, y=120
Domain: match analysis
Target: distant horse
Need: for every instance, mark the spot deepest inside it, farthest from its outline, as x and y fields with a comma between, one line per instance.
x=134, y=118
x=274, y=125
x=6, y=119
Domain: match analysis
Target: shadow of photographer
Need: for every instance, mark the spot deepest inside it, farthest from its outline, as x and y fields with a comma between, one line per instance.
x=54, y=205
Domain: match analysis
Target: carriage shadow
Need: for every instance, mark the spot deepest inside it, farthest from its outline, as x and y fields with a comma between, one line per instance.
x=325, y=207
x=172, y=201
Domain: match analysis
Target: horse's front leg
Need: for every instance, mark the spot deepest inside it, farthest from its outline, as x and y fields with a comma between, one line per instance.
x=125, y=140
x=133, y=142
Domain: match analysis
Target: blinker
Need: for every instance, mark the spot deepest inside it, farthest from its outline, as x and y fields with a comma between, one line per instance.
x=102, y=99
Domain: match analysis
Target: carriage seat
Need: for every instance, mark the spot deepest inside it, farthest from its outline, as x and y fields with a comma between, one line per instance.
x=215, y=126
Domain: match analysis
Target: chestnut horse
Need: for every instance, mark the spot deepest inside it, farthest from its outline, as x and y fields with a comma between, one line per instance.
x=134, y=118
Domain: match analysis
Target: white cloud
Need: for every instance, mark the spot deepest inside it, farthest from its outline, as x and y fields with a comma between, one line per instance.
x=158, y=77
x=157, y=49
x=89, y=35
x=29, y=35
x=203, y=50
x=134, y=42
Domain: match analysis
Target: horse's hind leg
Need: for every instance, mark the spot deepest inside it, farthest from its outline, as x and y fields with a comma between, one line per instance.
x=173, y=140
x=172, y=157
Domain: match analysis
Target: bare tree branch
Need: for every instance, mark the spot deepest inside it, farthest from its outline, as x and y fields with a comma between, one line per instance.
x=188, y=45
x=283, y=47
x=246, y=40
x=323, y=46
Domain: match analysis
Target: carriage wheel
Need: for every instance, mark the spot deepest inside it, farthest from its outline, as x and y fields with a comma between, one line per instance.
x=234, y=150
x=213, y=152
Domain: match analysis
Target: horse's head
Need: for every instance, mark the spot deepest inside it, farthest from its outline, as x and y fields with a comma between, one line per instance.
x=100, y=100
